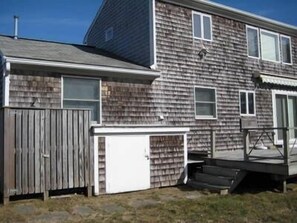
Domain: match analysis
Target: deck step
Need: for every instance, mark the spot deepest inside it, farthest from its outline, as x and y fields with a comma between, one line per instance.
x=216, y=188
x=213, y=180
x=220, y=171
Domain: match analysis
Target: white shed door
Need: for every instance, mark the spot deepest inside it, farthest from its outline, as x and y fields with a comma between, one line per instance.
x=127, y=163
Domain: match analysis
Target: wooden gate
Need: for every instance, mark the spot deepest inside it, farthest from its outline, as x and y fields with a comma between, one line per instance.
x=47, y=149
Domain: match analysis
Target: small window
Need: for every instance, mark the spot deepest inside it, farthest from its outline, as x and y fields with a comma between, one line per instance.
x=82, y=93
x=270, y=46
x=109, y=34
x=253, y=42
x=247, y=103
x=286, y=49
x=205, y=103
x=202, y=26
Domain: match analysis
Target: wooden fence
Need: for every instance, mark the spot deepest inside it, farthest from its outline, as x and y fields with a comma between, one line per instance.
x=43, y=150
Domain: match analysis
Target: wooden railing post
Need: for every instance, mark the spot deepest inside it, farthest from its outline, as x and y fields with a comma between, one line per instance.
x=213, y=143
x=246, y=144
x=286, y=145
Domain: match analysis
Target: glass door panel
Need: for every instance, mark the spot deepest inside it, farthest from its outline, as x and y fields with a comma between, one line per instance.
x=281, y=114
x=292, y=116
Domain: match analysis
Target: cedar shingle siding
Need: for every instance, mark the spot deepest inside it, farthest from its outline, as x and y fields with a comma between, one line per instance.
x=131, y=30
x=226, y=67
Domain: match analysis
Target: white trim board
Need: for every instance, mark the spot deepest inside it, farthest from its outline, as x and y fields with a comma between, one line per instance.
x=97, y=130
x=145, y=74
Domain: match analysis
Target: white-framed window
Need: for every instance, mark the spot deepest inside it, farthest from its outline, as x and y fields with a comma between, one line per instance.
x=247, y=103
x=82, y=93
x=205, y=103
x=253, y=43
x=286, y=49
x=269, y=46
x=202, y=26
x=109, y=34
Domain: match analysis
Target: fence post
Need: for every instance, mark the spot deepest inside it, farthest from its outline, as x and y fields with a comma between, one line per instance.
x=213, y=143
x=246, y=144
x=286, y=145
x=7, y=155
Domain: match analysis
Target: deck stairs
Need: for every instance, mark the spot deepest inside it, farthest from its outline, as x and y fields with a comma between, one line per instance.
x=216, y=178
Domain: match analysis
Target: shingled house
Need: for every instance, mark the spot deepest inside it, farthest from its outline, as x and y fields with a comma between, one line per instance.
x=154, y=80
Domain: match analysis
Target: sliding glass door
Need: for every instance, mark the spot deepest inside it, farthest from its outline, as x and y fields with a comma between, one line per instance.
x=286, y=114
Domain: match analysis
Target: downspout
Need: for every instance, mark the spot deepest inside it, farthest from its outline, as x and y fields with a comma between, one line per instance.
x=153, y=56
x=5, y=83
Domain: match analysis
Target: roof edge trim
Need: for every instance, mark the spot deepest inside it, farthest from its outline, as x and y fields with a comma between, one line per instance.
x=237, y=14
x=140, y=73
x=93, y=22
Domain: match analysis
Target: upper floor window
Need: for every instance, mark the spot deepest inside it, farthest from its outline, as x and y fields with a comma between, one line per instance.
x=286, y=49
x=205, y=103
x=109, y=34
x=247, y=103
x=202, y=26
x=268, y=45
x=82, y=93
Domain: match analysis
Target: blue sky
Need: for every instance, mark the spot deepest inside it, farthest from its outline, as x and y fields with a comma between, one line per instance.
x=68, y=20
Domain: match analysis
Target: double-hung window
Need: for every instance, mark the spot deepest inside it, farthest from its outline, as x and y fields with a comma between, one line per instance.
x=269, y=46
x=286, y=49
x=202, y=26
x=82, y=93
x=247, y=103
x=205, y=103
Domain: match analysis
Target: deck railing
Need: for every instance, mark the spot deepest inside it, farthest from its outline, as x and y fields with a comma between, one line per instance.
x=43, y=150
x=265, y=138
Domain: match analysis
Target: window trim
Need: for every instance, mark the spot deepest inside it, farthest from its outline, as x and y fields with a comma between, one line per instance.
x=206, y=117
x=278, y=45
x=247, y=108
x=202, y=26
x=281, y=47
x=99, y=122
x=247, y=42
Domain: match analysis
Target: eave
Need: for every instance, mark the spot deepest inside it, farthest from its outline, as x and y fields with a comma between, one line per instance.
x=84, y=69
x=235, y=14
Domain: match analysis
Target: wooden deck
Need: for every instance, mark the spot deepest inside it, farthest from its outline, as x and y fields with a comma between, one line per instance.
x=265, y=161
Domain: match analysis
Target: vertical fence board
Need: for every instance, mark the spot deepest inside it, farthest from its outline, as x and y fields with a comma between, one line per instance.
x=59, y=150
x=75, y=149
x=36, y=150
x=81, y=149
x=47, y=150
x=31, y=151
x=18, y=155
x=64, y=149
x=86, y=147
x=41, y=151
x=53, y=150
x=25, y=152
x=70, y=149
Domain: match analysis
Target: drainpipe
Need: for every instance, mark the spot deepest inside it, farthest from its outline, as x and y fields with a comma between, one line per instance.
x=16, y=26
x=5, y=82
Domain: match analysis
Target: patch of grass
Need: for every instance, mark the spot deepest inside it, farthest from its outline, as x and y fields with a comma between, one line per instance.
x=245, y=207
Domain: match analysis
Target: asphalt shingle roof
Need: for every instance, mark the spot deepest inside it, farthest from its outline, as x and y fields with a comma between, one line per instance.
x=62, y=52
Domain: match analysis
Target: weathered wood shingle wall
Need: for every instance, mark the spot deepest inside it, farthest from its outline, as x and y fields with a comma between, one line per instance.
x=226, y=67
x=167, y=160
x=131, y=30
x=27, y=87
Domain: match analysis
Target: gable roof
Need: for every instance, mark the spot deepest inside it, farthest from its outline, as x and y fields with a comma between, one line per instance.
x=67, y=57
